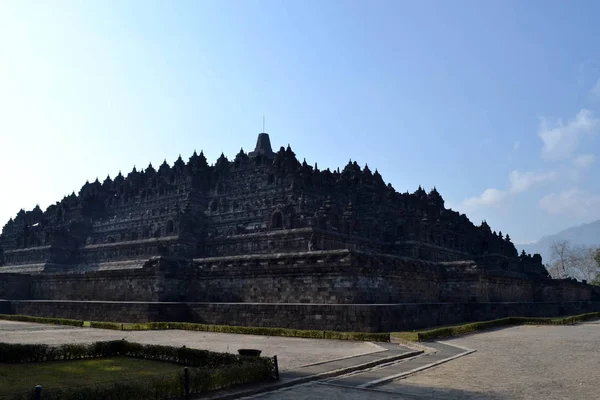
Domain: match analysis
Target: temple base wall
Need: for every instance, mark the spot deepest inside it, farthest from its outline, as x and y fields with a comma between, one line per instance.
x=340, y=317
x=333, y=290
x=15, y=286
x=323, y=277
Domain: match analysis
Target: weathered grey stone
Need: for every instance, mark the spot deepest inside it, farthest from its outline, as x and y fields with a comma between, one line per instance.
x=283, y=241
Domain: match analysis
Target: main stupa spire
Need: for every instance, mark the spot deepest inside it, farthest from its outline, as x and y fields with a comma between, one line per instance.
x=263, y=146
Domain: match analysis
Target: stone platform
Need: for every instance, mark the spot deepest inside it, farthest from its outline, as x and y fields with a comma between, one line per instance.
x=338, y=317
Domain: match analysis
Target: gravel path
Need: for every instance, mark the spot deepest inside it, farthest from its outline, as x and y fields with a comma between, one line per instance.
x=291, y=352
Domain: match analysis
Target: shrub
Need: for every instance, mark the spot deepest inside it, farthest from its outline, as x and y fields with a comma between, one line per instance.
x=364, y=336
x=106, y=325
x=24, y=353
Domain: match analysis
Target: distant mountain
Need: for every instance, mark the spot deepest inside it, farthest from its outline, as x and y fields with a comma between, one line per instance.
x=583, y=235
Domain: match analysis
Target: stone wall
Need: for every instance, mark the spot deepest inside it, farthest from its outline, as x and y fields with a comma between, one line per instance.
x=339, y=277
x=15, y=286
x=286, y=241
x=30, y=255
x=316, y=277
x=342, y=317
x=334, y=290
x=128, y=285
x=5, y=307
x=135, y=249
x=320, y=277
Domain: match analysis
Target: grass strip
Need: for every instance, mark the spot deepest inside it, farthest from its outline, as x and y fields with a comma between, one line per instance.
x=472, y=327
x=41, y=320
x=245, y=330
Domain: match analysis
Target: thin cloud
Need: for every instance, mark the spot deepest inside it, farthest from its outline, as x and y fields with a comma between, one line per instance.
x=595, y=90
x=522, y=181
x=562, y=139
x=519, y=182
x=573, y=202
x=584, y=161
x=516, y=146
x=489, y=197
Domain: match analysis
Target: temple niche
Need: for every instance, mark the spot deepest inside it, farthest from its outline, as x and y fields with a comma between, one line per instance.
x=258, y=202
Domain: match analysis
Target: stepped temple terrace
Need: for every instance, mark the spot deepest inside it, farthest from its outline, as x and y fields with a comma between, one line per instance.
x=266, y=239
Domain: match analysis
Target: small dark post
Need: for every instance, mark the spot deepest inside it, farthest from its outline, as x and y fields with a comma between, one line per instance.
x=37, y=393
x=276, y=365
x=186, y=375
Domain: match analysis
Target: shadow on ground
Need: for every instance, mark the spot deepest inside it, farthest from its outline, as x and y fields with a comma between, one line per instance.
x=320, y=390
x=412, y=391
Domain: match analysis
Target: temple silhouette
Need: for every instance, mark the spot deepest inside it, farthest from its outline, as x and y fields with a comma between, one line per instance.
x=260, y=202
x=267, y=240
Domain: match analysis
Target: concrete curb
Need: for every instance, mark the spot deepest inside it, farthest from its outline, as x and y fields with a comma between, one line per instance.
x=413, y=345
x=381, y=350
x=310, y=378
x=359, y=372
x=415, y=370
x=455, y=345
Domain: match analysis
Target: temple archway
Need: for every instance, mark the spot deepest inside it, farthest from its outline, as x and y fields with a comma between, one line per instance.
x=169, y=228
x=277, y=220
x=335, y=221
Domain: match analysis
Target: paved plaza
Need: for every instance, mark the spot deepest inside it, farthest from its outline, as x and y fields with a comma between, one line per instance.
x=291, y=352
x=525, y=362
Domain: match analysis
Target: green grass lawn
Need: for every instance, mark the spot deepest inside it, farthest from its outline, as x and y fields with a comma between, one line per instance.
x=20, y=377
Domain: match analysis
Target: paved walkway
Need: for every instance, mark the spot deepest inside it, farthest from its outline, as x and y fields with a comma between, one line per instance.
x=524, y=362
x=384, y=373
x=392, y=353
x=521, y=362
x=292, y=378
x=356, y=385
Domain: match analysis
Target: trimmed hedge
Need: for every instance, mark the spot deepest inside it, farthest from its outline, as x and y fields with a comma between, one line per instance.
x=41, y=320
x=106, y=325
x=458, y=330
x=24, y=353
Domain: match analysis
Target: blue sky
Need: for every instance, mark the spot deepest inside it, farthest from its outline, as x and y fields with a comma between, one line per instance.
x=495, y=103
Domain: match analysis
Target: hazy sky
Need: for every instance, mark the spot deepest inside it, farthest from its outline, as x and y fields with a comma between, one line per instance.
x=496, y=103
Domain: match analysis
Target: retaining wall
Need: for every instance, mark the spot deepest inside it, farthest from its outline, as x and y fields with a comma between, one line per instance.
x=329, y=277
x=355, y=317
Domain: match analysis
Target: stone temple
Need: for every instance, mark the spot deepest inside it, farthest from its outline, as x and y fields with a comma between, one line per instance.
x=268, y=240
